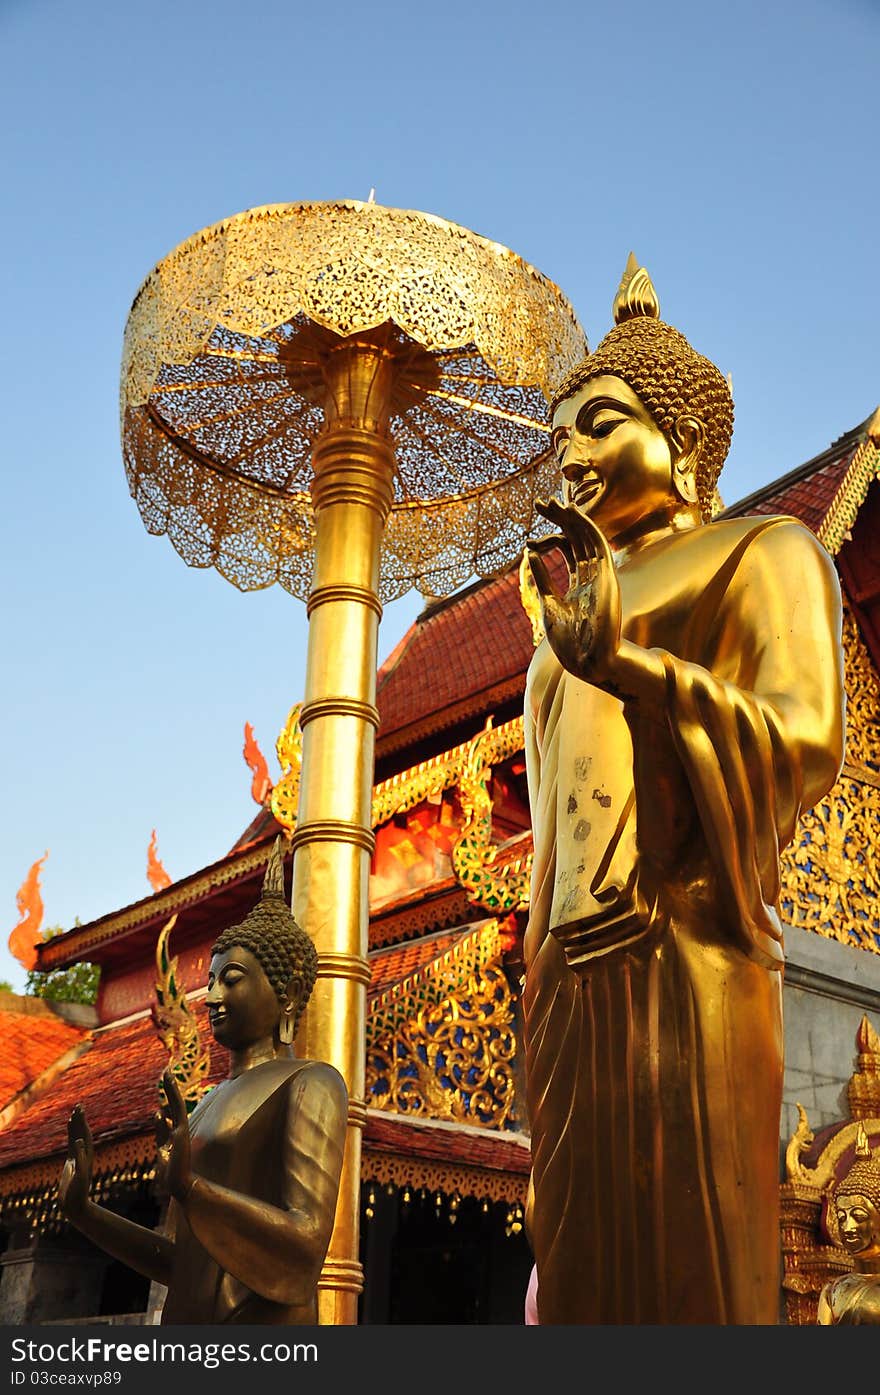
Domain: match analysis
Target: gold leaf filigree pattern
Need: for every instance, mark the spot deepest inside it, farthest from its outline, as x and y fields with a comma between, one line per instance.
x=474, y=853
x=455, y=1061
x=830, y=881
x=830, y=877
x=218, y=422
x=403, y=1001
x=862, y=700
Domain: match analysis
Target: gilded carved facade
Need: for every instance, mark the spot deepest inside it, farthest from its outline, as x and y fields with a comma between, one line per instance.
x=830, y=881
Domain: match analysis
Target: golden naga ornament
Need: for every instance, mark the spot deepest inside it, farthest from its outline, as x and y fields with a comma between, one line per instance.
x=284, y=796
x=474, y=856
x=683, y=711
x=188, y=1060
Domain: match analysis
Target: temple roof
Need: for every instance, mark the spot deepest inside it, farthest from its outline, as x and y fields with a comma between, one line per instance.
x=808, y=491
x=462, y=658
x=115, y=1080
x=35, y=1036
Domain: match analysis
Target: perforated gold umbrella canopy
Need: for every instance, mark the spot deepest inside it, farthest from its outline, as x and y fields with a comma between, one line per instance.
x=223, y=388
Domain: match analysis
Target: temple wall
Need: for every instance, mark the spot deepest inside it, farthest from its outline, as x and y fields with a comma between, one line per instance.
x=828, y=989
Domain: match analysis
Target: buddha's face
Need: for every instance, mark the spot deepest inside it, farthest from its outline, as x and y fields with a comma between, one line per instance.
x=243, y=1007
x=858, y=1222
x=616, y=463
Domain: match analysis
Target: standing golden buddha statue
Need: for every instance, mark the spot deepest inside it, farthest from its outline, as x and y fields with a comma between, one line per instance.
x=854, y=1299
x=685, y=707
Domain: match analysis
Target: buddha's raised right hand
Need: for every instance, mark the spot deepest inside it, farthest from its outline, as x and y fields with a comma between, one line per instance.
x=76, y=1175
x=583, y=626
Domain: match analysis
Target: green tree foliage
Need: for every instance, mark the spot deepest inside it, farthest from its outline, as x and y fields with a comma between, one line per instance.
x=78, y=984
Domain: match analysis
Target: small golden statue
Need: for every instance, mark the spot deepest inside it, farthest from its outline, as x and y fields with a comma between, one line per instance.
x=683, y=710
x=253, y=1173
x=854, y=1214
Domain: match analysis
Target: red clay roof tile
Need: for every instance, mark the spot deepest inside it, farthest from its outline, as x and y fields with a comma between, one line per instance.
x=33, y=1038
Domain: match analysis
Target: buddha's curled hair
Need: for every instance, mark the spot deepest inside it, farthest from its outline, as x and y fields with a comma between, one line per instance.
x=273, y=937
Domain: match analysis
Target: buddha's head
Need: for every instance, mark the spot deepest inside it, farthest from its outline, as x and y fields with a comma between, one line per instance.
x=644, y=423
x=262, y=971
x=855, y=1204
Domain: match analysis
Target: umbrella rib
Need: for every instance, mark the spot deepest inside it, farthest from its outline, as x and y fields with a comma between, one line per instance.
x=484, y=443
x=210, y=462
x=486, y=409
x=266, y=439
x=233, y=412
x=430, y=448
x=214, y=351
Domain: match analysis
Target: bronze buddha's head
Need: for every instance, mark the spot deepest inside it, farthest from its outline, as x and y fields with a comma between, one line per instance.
x=263, y=970
x=855, y=1203
x=681, y=392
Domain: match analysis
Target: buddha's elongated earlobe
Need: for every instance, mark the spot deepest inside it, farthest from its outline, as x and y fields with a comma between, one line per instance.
x=688, y=435
x=290, y=1011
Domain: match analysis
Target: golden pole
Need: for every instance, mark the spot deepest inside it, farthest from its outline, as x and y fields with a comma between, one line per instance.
x=352, y=491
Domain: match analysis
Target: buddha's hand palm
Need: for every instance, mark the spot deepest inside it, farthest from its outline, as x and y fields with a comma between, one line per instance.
x=173, y=1175
x=583, y=626
x=76, y=1175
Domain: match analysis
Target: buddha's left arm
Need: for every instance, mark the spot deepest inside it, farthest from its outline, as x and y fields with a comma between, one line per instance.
x=278, y=1250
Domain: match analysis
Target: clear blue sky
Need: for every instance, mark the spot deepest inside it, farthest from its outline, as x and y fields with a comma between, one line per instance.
x=733, y=147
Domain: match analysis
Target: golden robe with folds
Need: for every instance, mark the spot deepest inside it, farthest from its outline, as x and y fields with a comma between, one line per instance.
x=653, y=997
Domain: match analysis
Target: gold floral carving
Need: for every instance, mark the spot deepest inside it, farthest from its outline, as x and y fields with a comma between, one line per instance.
x=284, y=799
x=434, y=982
x=830, y=873
x=830, y=880
x=177, y=1027
x=862, y=702
x=474, y=855
x=455, y=1060
x=219, y=416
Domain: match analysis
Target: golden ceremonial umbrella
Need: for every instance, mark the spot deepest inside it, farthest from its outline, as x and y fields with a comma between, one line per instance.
x=350, y=400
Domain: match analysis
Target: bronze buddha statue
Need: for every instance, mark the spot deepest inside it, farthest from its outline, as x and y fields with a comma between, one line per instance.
x=253, y=1173
x=854, y=1215
x=684, y=708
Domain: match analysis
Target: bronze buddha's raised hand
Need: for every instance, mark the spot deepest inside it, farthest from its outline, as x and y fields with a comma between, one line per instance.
x=173, y=1148
x=76, y=1175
